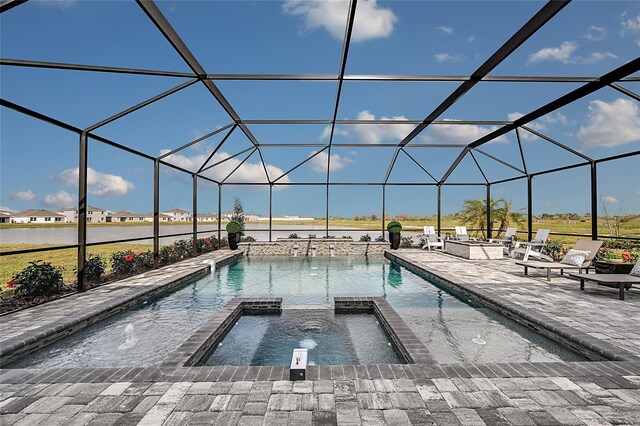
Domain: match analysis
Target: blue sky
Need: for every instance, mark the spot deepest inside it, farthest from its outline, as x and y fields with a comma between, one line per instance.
x=587, y=38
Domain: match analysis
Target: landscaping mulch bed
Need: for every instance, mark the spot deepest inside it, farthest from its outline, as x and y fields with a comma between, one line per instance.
x=10, y=302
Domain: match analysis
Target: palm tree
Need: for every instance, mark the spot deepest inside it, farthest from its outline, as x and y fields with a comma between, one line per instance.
x=505, y=216
x=474, y=214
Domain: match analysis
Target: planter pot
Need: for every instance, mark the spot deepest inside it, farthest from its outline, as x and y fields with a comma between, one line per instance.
x=608, y=267
x=394, y=238
x=234, y=239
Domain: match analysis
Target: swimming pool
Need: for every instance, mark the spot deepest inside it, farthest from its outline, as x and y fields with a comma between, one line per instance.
x=453, y=329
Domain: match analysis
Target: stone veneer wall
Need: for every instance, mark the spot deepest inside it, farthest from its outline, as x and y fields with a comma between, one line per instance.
x=306, y=247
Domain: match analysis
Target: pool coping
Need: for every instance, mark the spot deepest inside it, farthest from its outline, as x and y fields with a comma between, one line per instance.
x=14, y=347
x=569, y=336
x=201, y=343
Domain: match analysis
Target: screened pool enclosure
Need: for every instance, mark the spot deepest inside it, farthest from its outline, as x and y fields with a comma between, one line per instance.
x=271, y=109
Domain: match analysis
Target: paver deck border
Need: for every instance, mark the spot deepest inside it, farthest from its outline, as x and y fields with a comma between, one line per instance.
x=16, y=346
x=577, y=340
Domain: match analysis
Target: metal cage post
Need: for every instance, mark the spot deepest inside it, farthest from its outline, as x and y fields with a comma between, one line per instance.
x=82, y=210
x=384, y=205
x=219, y=215
x=594, y=201
x=156, y=214
x=529, y=208
x=194, y=215
x=270, y=209
x=489, y=221
x=439, y=213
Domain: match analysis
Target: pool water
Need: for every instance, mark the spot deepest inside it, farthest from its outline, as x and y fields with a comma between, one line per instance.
x=453, y=329
x=331, y=339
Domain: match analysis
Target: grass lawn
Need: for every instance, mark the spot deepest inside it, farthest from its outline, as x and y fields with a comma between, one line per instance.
x=67, y=258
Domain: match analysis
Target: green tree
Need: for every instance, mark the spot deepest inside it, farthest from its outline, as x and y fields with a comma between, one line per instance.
x=474, y=214
x=238, y=213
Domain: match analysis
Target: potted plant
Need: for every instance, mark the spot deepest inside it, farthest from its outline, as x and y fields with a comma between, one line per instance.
x=234, y=229
x=394, y=228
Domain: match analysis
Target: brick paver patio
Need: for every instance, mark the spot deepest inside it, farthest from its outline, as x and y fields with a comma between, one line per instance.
x=587, y=393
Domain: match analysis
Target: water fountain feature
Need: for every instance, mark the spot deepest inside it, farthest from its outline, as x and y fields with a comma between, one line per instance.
x=130, y=338
x=295, y=250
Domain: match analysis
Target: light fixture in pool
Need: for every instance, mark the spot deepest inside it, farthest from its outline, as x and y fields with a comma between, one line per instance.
x=308, y=344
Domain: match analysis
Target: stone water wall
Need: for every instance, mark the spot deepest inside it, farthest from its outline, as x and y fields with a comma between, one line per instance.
x=315, y=246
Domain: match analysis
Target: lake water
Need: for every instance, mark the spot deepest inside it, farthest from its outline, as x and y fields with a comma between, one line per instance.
x=259, y=231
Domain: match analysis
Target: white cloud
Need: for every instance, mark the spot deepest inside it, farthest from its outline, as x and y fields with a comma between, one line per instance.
x=57, y=4
x=595, y=33
x=373, y=133
x=445, y=30
x=446, y=57
x=471, y=39
x=372, y=21
x=630, y=26
x=460, y=133
x=249, y=172
x=319, y=162
x=99, y=184
x=540, y=124
x=611, y=124
x=561, y=54
x=60, y=199
x=23, y=195
x=326, y=132
x=6, y=209
x=610, y=200
x=596, y=57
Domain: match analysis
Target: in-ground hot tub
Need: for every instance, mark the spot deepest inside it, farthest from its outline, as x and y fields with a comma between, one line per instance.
x=474, y=250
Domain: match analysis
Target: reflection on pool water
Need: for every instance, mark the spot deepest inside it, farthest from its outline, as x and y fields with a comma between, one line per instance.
x=449, y=326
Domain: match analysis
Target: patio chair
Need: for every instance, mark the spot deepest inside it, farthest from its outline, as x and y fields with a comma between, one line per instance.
x=620, y=281
x=507, y=240
x=429, y=230
x=589, y=246
x=535, y=247
x=431, y=242
x=461, y=234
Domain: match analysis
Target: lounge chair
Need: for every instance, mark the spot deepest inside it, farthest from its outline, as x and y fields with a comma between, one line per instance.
x=429, y=230
x=431, y=241
x=620, y=281
x=461, y=234
x=582, y=245
x=507, y=240
x=535, y=247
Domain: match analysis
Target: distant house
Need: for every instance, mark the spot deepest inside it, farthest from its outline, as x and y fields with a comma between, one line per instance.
x=178, y=215
x=249, y=217
x=207, y=217
x=125, y=216
x=148, y=217
x=5, y=216
x=37, y=216
x=94, y=214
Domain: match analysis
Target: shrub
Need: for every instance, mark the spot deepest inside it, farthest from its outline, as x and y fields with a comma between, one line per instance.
x=555, y=249
x=329, y=237
x=406, y=242
x=166, y=255
x=182, y=249
x=94, y=267
x=38, y=279
x=233, y=227
x=247, y=239
x=394, y=227
x=380, y=239
x=206, y=244
x=122, y=263
x=365, y=238
x=293, y=236
x=347, y=237
x=142, y=261
x=311, y=236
